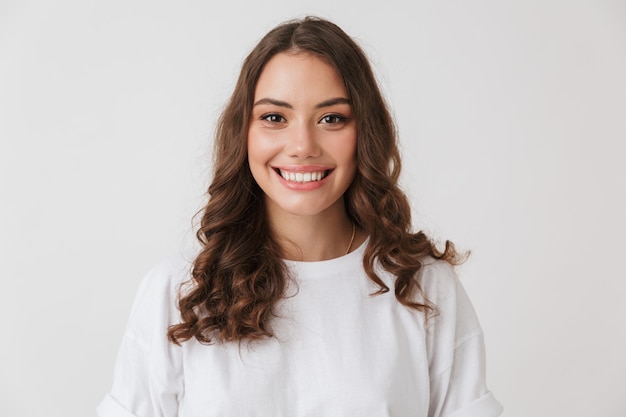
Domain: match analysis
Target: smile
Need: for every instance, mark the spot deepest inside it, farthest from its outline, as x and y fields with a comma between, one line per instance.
x=302, y=177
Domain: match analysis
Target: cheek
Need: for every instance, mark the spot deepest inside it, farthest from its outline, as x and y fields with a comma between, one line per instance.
x=256, y=148
x=345, y=149
x=261, y=146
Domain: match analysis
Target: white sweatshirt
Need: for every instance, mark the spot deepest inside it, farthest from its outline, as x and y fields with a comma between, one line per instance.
x=338, y=352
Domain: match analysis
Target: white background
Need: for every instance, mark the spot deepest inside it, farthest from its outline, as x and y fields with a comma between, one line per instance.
x=512, y=118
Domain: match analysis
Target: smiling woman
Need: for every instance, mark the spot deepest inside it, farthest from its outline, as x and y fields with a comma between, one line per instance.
x=288, y=309
x=302, y=152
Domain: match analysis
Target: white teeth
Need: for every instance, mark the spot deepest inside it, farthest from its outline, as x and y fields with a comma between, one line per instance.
x=302, y=176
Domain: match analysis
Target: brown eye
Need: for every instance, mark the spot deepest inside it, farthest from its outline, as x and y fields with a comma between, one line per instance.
x=273, y=118
x=333, y=119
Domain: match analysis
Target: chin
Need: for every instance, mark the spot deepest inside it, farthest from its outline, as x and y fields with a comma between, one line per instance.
x=305, y=207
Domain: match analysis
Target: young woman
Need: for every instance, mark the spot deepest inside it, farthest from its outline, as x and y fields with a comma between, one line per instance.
x=311, y=295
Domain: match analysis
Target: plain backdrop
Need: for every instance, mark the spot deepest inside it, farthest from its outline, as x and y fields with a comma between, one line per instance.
x=512, y=120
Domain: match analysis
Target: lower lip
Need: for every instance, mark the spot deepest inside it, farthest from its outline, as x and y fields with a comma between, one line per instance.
x=303, y=186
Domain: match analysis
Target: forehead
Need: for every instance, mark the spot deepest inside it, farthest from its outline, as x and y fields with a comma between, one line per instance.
x=297, y=76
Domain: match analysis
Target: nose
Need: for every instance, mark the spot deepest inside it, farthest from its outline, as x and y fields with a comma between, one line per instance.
x=302, y=142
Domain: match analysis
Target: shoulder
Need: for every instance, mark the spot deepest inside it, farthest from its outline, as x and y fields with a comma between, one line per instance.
x=158, y=291
x=170, y=271
x=455, y=318
x=441, y=286
x=438, y=279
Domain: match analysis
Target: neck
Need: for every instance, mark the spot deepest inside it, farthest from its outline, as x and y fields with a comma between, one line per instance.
x=316, y=237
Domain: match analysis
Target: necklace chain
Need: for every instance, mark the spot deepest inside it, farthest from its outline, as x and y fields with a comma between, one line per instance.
x=351, y=239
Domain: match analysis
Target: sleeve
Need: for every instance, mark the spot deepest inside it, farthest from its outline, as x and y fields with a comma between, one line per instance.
x=456, y=350
x=148, y=377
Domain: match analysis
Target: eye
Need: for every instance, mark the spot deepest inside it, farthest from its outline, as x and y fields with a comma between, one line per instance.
x=333, y=119
x=273, y=118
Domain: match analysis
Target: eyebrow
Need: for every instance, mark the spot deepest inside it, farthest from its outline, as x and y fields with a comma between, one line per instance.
x=332, y=102
x=325, y=103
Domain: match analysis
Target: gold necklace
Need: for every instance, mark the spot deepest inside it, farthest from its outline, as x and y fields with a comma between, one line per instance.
x=351, y=239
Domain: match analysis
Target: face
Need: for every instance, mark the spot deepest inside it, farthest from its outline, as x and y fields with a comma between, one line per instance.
x=302, y=136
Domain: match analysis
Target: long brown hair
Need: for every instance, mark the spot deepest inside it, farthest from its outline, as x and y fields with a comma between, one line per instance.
x=239, y=277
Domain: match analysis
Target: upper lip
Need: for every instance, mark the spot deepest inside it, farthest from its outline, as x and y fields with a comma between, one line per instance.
x=302, y=168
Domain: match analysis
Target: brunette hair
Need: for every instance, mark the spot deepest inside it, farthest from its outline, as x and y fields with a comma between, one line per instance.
x=239, y=277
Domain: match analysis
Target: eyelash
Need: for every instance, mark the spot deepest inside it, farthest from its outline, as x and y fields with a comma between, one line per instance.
x=338, y=118
x=267, y=117
x=271, y=117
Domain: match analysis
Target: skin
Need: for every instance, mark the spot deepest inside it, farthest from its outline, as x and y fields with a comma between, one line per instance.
x=302, y=128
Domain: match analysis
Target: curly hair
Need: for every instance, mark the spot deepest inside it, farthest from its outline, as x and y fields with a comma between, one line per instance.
x=238, y=277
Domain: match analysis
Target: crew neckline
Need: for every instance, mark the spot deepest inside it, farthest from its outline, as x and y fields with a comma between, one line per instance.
x=329, y=266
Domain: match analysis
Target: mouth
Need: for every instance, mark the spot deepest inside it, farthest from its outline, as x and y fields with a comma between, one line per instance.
x=302, y=177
